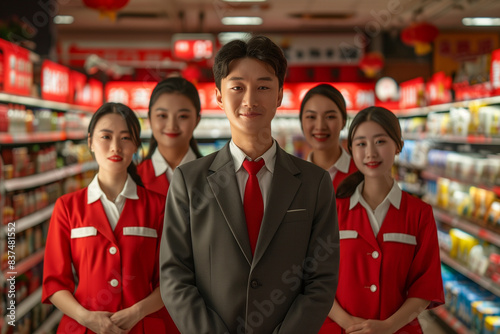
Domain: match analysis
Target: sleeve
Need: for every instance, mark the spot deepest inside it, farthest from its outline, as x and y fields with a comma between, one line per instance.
x=424, y=278
x=310, y=309
x=57, y=272
x=159, y=225
x=177, y=277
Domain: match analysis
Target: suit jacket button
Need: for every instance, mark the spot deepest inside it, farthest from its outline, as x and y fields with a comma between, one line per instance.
x=254, y=284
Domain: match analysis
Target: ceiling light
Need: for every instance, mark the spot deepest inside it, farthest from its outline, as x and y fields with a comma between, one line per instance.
x=242, y=20
x=244, y=0
x=63, y=19
x=481, y=21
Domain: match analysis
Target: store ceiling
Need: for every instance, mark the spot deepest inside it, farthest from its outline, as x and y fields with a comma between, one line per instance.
x=279, y=16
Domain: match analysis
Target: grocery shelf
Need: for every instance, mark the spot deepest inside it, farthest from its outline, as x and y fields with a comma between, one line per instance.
x=31, y=220
x=48, y=177
x=450, y=320
x=482, y=281
x=49, y=323
x=39, y=103
x=467, y=226
x=27, y=304
x=422, y=111
x=24, y=265
x=429, y=175
x=41, y=137
x=455, y=139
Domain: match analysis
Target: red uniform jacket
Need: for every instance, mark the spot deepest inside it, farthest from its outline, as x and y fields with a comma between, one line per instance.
x=377, y=274
x=114, y=269
x=158, y=184
x=340, y=176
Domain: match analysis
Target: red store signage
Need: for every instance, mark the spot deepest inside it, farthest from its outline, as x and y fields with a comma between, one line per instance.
x=16, y=69
x=136, y=95
x=55, y=82
x=438, y=89
x=495, y=71
x=412, y=93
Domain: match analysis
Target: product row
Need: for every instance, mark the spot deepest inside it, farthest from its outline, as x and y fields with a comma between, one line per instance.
x=474, y=306
x=16, y=119
x=39, y=158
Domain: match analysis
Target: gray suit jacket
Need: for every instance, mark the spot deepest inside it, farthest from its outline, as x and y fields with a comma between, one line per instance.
x=209, y=281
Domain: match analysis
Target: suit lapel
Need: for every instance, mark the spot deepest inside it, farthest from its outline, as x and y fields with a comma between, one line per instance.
x=225, y=189
x=284, y=186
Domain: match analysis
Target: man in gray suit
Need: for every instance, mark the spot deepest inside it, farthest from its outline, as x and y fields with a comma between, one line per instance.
x=249, y=252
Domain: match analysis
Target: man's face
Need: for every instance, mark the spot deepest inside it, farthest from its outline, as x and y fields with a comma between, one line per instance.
x=249, y=95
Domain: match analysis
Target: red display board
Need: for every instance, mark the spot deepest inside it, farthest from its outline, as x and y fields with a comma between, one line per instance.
x=412, y=93
x=495, y=71
x=16, y=69
x=55, y=82
x=438, y=89
x=133, y=94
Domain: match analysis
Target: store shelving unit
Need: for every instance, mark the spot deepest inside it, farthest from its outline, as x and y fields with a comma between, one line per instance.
x=51, y=322
x=450, y=320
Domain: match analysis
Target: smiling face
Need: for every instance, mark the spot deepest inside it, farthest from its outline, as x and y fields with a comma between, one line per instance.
x=322, y=122
x=373, y=150
x=249, y=96
x=173, y=120
x=112, y=144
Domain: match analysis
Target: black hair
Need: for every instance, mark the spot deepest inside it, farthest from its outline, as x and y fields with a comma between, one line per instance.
x=180, y=86
x=133, y=126
x=258, y=47
x=389, y=122
x=329, y=92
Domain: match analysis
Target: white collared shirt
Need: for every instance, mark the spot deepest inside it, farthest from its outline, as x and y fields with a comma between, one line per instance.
x=161, y=166
x=265, y=175
x=342, y=164
x=114, y=209
x=377, y=216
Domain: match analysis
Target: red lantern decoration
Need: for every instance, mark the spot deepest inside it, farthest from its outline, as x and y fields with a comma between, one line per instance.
x=191, y=73
x=371, y=64
x=420, y=36
x=107, y=8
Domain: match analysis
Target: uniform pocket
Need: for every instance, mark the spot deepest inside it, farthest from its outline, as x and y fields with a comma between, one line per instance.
x=140, y=231
x=293, y=215
x=82, y=232
x=348, y=234
x=400, y=237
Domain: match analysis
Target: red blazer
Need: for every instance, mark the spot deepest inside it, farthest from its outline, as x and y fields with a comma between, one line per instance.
x=115, y=269
x=158, y=184
x=377, y=274
x=339, y=176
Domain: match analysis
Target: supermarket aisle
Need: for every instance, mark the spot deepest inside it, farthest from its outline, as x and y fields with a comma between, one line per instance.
x=430, y=325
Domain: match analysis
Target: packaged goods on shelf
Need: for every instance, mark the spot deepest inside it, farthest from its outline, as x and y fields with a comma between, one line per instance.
x=480, y=310
x=489, y=120
x=492, y=325
x=461, y=244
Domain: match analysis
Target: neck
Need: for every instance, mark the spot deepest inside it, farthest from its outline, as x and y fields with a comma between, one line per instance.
x=326, y=158
x=173, y=155
x=111, y=184
x=376, y=189
x=254, y=146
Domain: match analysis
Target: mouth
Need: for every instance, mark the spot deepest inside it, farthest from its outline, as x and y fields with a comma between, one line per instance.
x=321, y=137
x=250, y=114
x=173, y=135
x=373, y=164
x=115, y=158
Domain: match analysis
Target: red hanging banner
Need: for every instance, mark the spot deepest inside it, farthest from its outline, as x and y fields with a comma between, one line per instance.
x=55, y=82
x=16, y=69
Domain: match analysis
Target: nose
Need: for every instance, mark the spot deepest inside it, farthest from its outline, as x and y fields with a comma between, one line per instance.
x=320, y=123
x=371, y=151
x=172, y=123
x=116, y=144
x=250, y=98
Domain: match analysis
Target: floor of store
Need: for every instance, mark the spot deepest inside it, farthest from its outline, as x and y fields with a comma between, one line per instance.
x=430, y=325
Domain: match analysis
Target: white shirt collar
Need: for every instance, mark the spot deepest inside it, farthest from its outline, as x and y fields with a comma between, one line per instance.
x=94, y=191
x=394, y=196
x=239, y=156
x=160, y=165
x=342, y=164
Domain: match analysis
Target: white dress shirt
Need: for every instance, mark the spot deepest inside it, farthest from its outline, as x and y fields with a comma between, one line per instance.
x=161, y=166
x=265, y=175
x=342, y=164
x=112, y=209
x=377, y=216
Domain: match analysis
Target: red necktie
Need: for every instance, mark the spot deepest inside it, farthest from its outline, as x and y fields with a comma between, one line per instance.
x=252, y=201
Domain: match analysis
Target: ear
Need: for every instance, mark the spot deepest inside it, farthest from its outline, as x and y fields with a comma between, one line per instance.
x=280, y=97
x=218, y=96
x=198, y=119
x=89, y=143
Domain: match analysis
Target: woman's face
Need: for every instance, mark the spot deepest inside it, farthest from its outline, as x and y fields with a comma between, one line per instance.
x=373, y=150
x=112, y=144
x=173, y=120
x=322, y=122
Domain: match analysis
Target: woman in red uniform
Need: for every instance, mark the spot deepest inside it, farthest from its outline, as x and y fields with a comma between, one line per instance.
x=322, y=116
x=389, y=255
x=174, y=113
x=110, y=234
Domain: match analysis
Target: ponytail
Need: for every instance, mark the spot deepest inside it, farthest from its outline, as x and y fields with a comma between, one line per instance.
x=194, y=146
x=348, y=186
x=132, y=171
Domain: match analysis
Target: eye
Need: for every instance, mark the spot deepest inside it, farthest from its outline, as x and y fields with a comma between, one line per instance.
x=126, y=138
x=331, y=117
x=184, y=116
x=237, y=88
x=105, y=137
x=380, y=141
x=161, y=115
x=263, y=88
x=310, y=117
x=360, y=144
